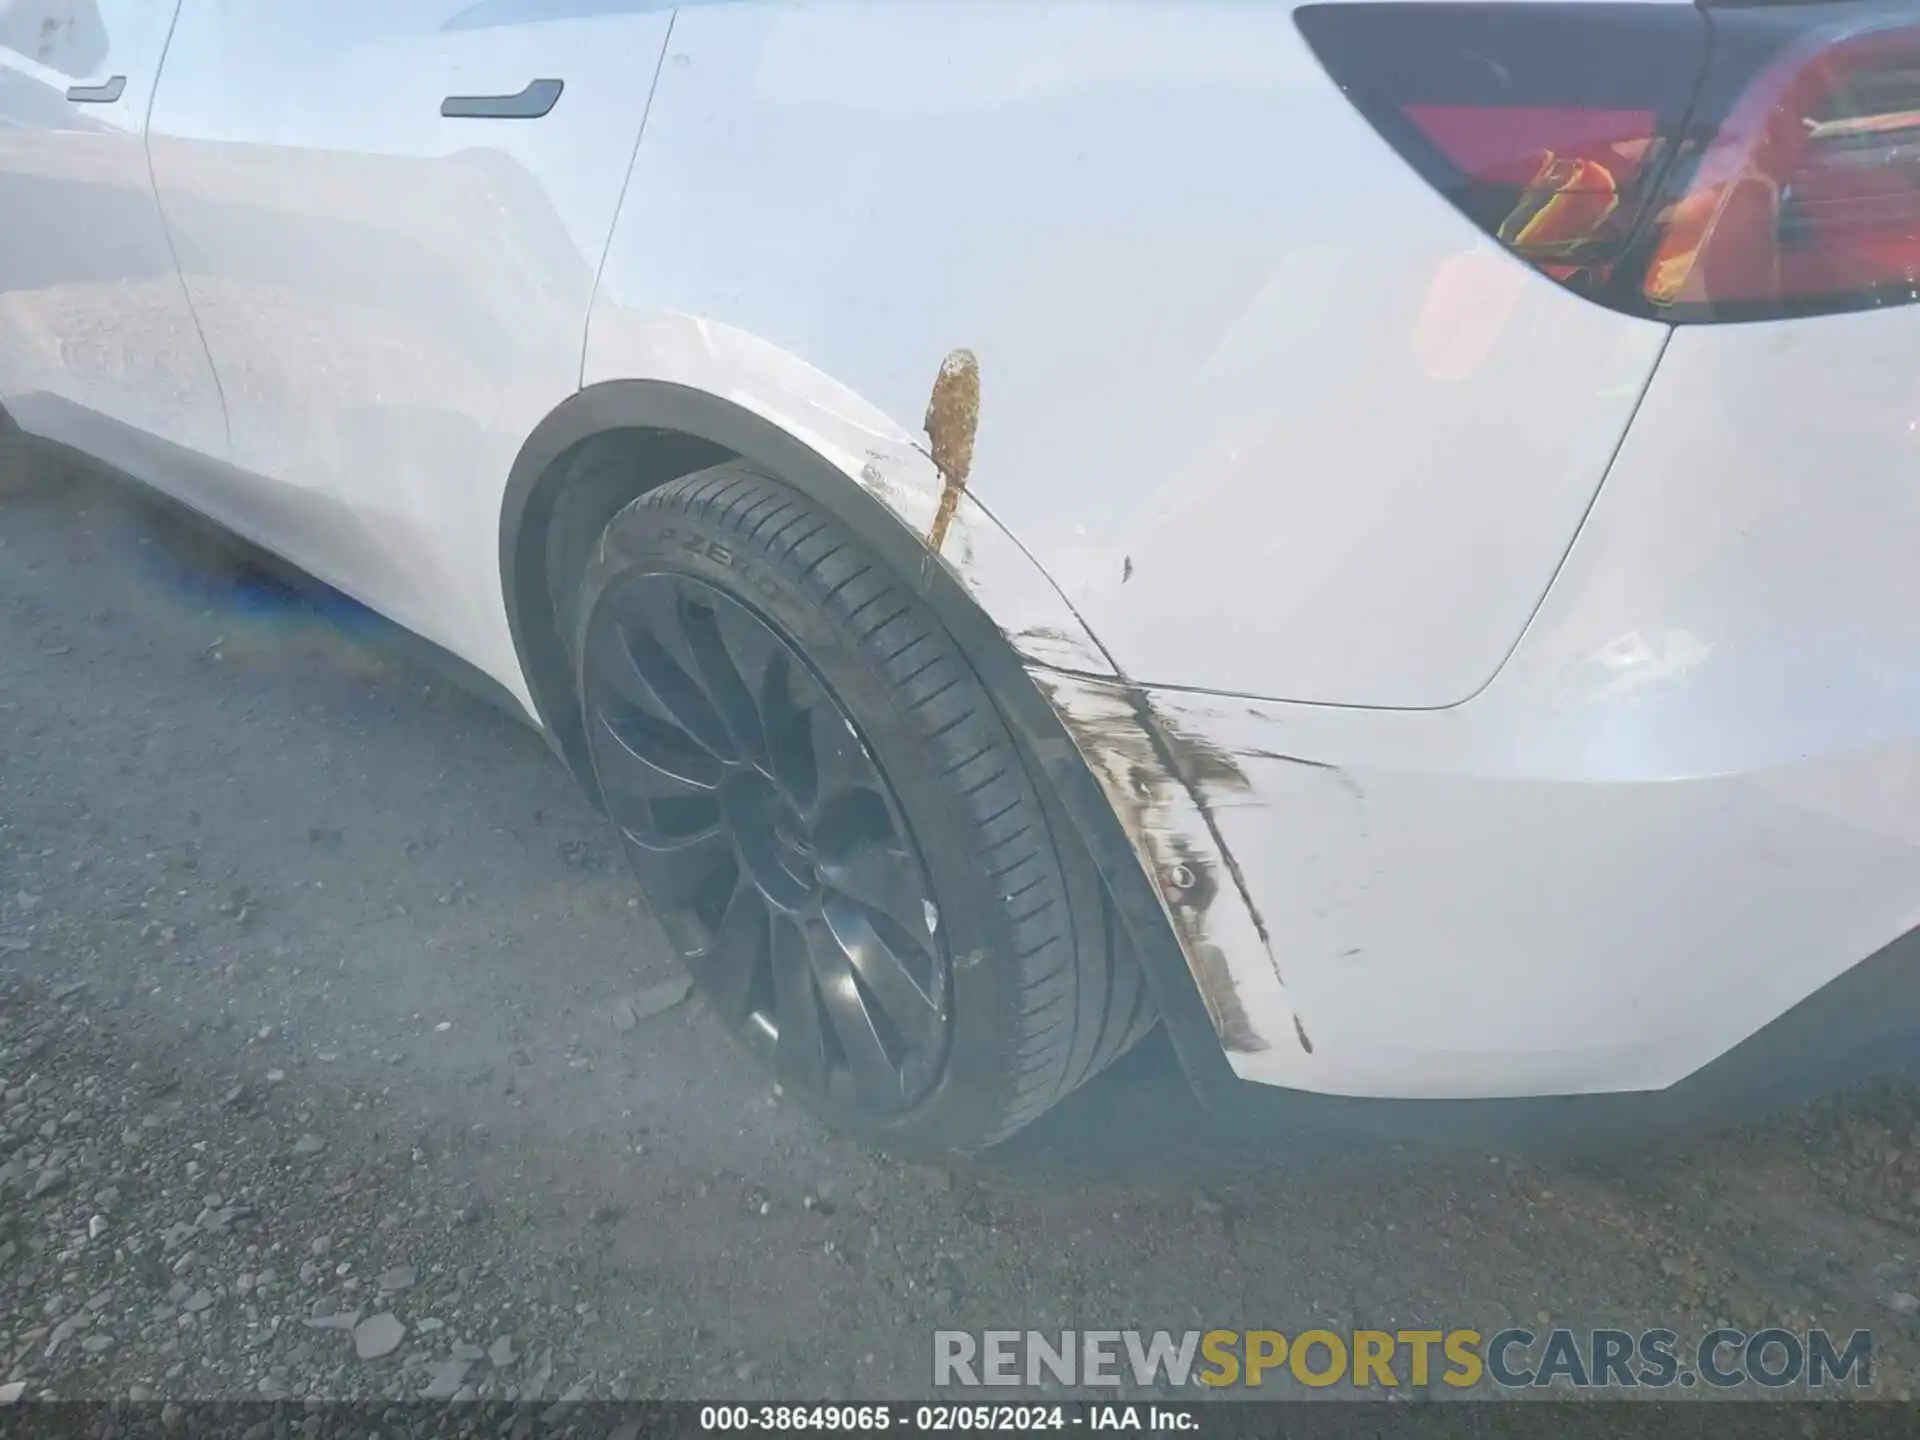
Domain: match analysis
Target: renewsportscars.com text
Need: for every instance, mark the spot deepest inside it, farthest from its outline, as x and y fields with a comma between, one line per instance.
x=1511, y=1359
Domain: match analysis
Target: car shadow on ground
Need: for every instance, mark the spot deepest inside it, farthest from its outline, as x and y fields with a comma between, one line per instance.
x=1140, y=1116
x=1139, y=1119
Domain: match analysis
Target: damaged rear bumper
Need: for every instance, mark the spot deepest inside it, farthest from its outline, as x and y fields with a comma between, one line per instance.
x=1681, y=821
x=1453, y=940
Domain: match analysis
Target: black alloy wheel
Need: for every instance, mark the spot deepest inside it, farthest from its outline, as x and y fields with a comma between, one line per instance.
x=833, y=825
x=767, y=837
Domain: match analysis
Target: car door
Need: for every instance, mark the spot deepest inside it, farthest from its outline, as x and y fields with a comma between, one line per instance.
x=389, y=215
x=97, y=342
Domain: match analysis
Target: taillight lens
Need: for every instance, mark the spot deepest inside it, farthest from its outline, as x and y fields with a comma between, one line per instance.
x=1806, y=194
x=1696, y=165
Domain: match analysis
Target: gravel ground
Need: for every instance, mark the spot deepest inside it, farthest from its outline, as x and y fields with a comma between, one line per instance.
x=337, y=1059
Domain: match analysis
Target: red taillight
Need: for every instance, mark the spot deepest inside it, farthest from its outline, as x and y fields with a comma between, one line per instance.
x=1809, y=190
x=1570, y=170
x=1732, y=164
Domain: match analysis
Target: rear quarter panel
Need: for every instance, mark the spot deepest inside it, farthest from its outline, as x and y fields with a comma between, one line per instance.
x=1271, y=414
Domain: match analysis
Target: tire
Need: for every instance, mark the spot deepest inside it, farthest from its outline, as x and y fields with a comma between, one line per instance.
x=796, y=752
x=15, y=461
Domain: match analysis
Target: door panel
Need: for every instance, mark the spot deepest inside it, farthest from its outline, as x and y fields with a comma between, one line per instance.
x=394, y=297
x=94, y=325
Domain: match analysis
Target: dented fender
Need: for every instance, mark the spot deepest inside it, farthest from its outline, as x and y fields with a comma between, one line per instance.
x=899, y=469
x=1159, y=783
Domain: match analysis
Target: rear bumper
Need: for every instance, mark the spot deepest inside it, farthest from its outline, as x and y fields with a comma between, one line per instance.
x=1862, y=1025
x=1688, y=803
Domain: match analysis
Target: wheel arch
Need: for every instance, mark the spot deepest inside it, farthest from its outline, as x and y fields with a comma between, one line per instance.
x=613, y=441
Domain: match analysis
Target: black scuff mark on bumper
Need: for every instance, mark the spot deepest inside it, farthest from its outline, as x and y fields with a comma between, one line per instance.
x=1203, y=766
x=1301, y=1031
x=1139, y=754
x=1339, y=773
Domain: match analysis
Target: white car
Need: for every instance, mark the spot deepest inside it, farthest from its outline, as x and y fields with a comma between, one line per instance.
x=1386, y=536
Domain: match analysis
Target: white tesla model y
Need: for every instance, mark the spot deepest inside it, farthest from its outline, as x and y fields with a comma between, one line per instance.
x=1386, y=536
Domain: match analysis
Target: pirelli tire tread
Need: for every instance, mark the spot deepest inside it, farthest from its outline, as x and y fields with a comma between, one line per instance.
x=1053, y=993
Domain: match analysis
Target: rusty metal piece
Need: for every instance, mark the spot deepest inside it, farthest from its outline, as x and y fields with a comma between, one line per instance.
x=953, y=416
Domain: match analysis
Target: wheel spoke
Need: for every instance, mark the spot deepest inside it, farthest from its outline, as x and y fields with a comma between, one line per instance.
x=752, y=654
x=884, y=880
x=899, y=976
x=675, y=870
x=736, y=953
x=840, y=762
x=667, y=827
x=859, y=1030
x=787, y=725
x=610, y=667
x=653, y=631
x=800, y=1054
x=643, y=756
x=656, y=785
x=729, y=652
